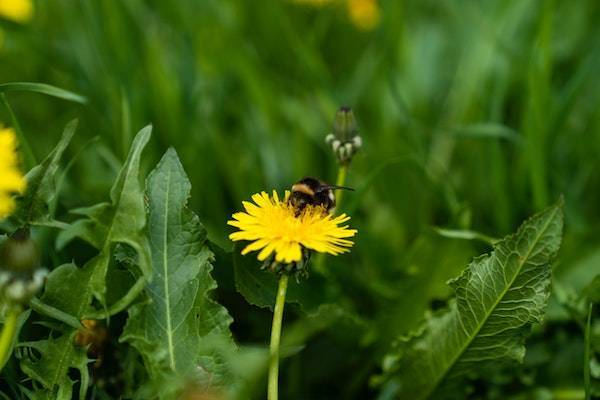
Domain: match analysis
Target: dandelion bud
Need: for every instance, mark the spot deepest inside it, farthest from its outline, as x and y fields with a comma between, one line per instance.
x=344, y=140
x=20, y=273
x=297, y=268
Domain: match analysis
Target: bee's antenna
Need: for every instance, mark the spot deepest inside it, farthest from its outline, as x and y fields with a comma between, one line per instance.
x=339, y=187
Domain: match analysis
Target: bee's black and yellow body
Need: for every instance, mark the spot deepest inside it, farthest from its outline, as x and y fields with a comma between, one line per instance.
x=312, y=191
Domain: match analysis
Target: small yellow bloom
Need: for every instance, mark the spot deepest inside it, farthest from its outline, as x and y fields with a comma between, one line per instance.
x=11, y=179
x=313, y=3
x=273, y=226
x=16, y=10
x=364, y=14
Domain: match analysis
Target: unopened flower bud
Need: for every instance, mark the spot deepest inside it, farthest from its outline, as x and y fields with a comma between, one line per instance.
x=344, y=140
x=298, y=268
x=20, y=273
x=19, y=253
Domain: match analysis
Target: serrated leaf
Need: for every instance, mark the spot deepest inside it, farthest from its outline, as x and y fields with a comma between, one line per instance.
x=57, y=357
x=120, y=221
x=70, y=290
x=498, y=297
x=66, y=290
x=171, y=328
x=34, y=206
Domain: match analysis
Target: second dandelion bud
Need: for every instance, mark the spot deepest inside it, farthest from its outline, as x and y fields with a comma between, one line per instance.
x=344, y=140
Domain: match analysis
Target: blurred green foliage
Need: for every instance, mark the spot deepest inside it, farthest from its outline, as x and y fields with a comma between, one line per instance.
x=474, y=115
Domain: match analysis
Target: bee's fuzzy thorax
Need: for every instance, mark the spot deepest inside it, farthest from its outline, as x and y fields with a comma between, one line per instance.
x=303, y=188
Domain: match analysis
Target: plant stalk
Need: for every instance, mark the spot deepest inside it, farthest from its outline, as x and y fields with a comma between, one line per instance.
x=587, y=381
x=276, y=338
x=8, y=333
x=341, y=181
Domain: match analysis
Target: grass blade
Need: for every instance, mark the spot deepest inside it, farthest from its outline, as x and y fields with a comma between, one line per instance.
x=42, y=88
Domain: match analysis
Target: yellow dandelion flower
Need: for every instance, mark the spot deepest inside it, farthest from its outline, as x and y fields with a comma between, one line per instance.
x=364, y=14
x=313, y=3
x=16, y=10
x=273, y=227
x=11, y=179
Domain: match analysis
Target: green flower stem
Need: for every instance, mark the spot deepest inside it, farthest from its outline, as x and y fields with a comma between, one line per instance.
x=586, y=355
x=8, y=333
x=276, y=337
x=341, y=181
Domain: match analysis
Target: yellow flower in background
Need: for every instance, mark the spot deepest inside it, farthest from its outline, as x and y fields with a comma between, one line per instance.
x=273, y=227
x=16, y=10
x=314, y=3
x=12, y=180
x=364, y=14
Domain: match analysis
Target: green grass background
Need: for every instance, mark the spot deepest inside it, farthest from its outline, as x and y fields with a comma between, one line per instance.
x=474, y=115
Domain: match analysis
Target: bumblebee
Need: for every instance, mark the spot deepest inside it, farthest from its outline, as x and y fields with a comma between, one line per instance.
x=311, y=191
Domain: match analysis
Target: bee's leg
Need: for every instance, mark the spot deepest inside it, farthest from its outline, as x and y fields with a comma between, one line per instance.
x=299, y=210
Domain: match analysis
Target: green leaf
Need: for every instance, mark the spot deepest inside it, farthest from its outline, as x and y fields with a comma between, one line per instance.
x=487, y=130
x=120, y=221
x=21, y=319
x=42, y=88
x=464, y=234
x=497, y=299
x=34, y=206
x=171, y=329
x=67, y=291
x=56, y=358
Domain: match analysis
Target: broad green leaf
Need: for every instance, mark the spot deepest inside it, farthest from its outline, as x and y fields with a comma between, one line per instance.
x=120, y=221
x=53, y=368
x=42, y=88
x=498, y=297
x=34, y=206
x=69, y=290
x=171, y=329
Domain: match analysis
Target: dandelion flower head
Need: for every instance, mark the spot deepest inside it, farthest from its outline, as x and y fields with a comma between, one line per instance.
x=365, y=14
x=16, y=10
x=12, y=180
x=273, y=227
